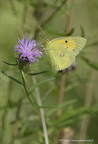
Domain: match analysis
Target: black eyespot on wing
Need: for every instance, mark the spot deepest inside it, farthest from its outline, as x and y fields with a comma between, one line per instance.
x=66, y=41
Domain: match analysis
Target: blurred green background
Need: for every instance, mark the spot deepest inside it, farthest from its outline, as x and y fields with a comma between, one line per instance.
x=56, y=18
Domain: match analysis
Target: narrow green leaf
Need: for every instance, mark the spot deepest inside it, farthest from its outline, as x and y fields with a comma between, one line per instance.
x=53, y=14
x=39, y=83
x=28, y=132
x=71, y=121
x=91, y=64
x=96, y=5
x=55, y=32
x=82, y=31
x=37, y=73
x=71, y=114
x=80, y=115
x=48, y=107
x=71, y=32
x=8, y=106
x=9, y=63
x=72, y=85
x=59, y=106
x=62, y=105
x=12, y=78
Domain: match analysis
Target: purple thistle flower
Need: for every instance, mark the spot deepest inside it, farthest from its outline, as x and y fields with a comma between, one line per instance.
x=28, y=51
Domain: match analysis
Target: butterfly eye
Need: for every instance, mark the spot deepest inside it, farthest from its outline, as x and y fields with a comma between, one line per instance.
x=66, y=41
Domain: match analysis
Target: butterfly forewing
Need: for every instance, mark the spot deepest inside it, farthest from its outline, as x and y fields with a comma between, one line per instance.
x=80, y=43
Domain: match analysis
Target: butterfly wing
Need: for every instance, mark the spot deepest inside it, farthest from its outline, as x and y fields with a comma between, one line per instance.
x=75, y=44
x=60, y=56
x=79, y=43
x=62, y=51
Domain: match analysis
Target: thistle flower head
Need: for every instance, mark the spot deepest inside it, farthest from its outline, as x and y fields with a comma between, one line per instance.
x=28, y=51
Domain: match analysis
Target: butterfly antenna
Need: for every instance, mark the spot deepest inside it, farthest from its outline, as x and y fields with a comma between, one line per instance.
x=43, y=33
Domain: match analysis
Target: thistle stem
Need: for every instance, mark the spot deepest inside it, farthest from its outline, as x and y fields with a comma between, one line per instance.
x=61, y=93
x=27, y=93
x=39, y=103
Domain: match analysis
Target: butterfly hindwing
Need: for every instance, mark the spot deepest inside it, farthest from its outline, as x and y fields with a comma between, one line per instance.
x=60, y=57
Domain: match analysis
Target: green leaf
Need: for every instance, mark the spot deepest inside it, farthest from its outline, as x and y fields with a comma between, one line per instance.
x=59, y=106
x=37, y=73
x=26, y=131
x=12, y=78
x=71, y=32
x=8, y=106
x=71, y=121
x=9, y=64
x=70, y=114
x=55, y=32
x=62, y=105
x=39, y=83
x=82, y=31
x=70, y=86
x=91, y=64
x=48, y=107
x=75, y=115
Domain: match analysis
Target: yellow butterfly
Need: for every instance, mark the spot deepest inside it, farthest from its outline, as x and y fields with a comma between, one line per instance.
x=62, y=51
